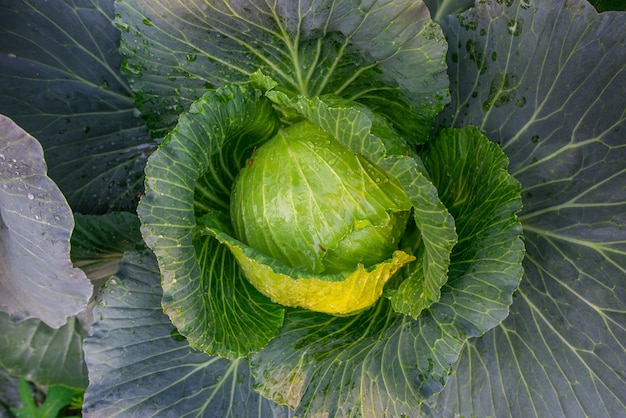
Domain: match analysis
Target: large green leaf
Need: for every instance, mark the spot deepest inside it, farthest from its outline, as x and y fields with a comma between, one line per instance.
x=99, y=242
x=386, y=54
x=38, y=353
x=37, y=279
x=549, y=85
x=380, y=363
x=442, y=8
x=60, y=81
x=48, y=356
x=205, y=293
x=139, y=365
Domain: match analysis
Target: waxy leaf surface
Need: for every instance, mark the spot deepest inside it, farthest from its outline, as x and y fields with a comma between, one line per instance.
x=140, y=365
x=549, y=85
x=37, y=279
x=386, y=54
x=60, y=80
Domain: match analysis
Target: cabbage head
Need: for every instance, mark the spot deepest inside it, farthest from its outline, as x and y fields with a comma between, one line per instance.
x=263, y=202
x=309, y=202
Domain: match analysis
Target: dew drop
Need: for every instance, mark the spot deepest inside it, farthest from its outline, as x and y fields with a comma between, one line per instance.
x=515, y=27
x=31, y=196
x=121, y=25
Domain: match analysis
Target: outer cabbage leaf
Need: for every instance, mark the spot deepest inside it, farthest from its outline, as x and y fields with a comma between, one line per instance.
x=37, y=279
x=471, y=175
x=380, y=363
x=442, y=8
x=55, y=356
x=60, y=81
x=176, y=49
x=205, y=293
x=140, y=365
x=38, y=353
x=99, y=242
x=548, y=83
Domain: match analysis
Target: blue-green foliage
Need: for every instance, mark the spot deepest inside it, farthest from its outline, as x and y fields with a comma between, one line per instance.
x=501, y=119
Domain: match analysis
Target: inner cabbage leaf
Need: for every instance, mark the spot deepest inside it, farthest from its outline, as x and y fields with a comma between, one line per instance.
x=310, y=202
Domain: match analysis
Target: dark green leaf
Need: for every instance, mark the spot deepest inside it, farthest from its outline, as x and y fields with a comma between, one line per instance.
x=342, y=365
x=60, y=80
x=205, y=293
x=140, y=366
x=99, y=242
x=98, y=245
x=549, y=85
x=37, y=279
x=605, y=5
x=176, y=50
x=40, y=354
x=470, y=174
x=442, y=8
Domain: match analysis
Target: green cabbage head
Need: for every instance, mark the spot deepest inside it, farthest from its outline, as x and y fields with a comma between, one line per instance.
x=312, y=204
x=263, y=203
x=318, y=207
x=309, y=202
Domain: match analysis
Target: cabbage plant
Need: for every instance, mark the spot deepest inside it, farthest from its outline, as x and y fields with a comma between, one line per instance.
x=331, y=208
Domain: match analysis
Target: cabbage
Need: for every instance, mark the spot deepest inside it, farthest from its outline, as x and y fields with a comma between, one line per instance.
x=309, y=202
x=335, y=249
x=417, y=309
